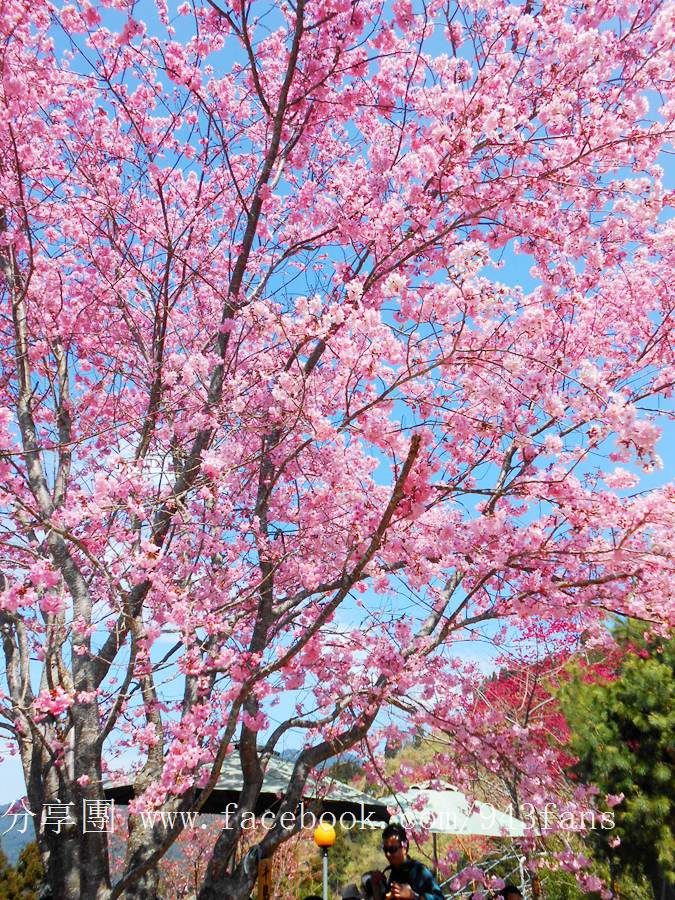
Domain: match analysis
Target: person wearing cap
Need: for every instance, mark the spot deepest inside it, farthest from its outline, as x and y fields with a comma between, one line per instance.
x=407, y=879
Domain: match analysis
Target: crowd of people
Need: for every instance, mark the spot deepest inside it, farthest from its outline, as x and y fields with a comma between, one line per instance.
x=404, y=878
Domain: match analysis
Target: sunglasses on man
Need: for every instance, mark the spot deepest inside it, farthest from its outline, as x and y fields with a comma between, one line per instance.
x=388, y=849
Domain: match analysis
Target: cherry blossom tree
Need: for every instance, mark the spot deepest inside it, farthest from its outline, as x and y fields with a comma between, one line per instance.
x=277, y=436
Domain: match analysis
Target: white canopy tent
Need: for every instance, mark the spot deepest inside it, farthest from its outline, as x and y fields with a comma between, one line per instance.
x=449, y=811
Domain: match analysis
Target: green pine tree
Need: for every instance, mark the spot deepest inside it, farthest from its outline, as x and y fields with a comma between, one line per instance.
x=623, y=733
x=23, y=881
x=9, y=886
x=30, y=872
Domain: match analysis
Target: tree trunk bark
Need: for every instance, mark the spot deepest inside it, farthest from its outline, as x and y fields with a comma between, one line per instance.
x=140, y=843
x=224, y=886
x=223, y=882
x=61, y=858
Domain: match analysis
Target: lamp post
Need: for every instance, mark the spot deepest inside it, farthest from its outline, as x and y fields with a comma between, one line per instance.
x=324, y=837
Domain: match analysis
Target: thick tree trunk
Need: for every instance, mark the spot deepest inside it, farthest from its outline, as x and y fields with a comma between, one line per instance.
x=76, y=863
x=61, y=858
x=142, y=842
x=145, y=886
x=75, y=857
x=220, y=884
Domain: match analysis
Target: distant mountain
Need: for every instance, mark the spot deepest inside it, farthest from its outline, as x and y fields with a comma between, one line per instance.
x=291, y=754
x=12, y=840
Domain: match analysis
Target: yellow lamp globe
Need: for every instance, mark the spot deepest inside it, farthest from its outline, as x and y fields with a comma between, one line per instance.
x=324, y=835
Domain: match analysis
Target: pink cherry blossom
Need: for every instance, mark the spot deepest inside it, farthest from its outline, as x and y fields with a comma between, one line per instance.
x=335, y=341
